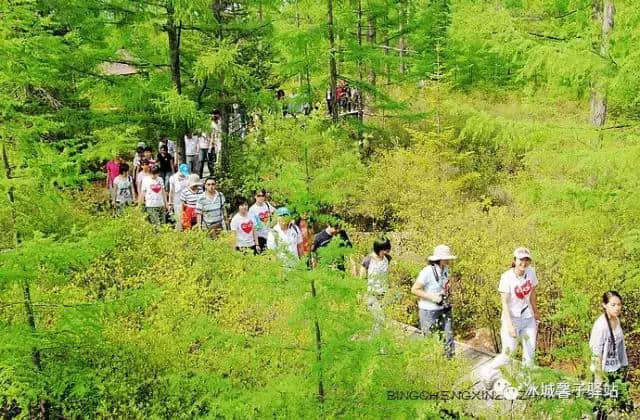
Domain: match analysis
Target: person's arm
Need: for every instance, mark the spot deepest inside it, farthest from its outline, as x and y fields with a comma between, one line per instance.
x=170, y=194
x=534, y=304
x=597, y=341
x=506, y=314
x=141, y=196
x=271, y=240
x=255, y=238
x=418, y=290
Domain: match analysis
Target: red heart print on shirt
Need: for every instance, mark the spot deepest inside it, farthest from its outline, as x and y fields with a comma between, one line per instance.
x=246, y=227
x=156, y=188
x=263, y=215
x=522, y=291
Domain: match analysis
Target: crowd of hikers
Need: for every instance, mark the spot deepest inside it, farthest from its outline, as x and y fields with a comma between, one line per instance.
x=175, y=192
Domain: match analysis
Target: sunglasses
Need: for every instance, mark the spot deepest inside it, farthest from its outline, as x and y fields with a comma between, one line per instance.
x=260, y=195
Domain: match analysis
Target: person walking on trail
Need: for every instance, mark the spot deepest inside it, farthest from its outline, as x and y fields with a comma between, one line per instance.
x=332, y=234
x=122, y=193
x=375, y=268
x=148, y=155
x=609, y=361
x=285, y=238
x=520, y=316
x=210, y=209
x=165, y=163
x=177, y=183
x=189, y=198
x=432, y=287
x=113, y=170
x=144, y=172
x=152, y=196
x=205, y=156
x=191, y=150
x=216, y=136
x=261, y=212
x=244, y=227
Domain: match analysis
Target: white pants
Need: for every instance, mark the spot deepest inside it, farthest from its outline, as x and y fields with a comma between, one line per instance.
x=526, y=331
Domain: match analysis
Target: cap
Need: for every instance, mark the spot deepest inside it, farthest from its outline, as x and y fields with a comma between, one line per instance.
x=184, y=169
x=282, y=211
x=194, y=179
x=521, y=253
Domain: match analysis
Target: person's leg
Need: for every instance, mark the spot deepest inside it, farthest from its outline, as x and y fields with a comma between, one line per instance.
x=528, y=331
x=202, y=157
x=509, y=343
x=263, y=243
x=449, y=344
x=211, y=157
x=376, y=309
x=427, y=320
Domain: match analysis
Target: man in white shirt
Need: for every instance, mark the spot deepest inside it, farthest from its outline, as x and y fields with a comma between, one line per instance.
x=191, y=150
x=204, y=146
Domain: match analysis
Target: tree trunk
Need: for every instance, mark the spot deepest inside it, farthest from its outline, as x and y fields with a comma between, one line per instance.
x=603, y=14
x=333, y=70
x=26, y=293
x=371, y=39
x=173, y=33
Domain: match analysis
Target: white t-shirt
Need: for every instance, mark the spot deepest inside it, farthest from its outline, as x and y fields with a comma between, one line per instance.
x=153, y=191
x=124, y=187
x=432, y=284
x=191, y=145
x=377, y=272
x=602, y=346
x=262, y=216
x=204, y=141
x=140, y=177
x=519, y=290
x=177, y=183
x=289, y=240
x=243, y=227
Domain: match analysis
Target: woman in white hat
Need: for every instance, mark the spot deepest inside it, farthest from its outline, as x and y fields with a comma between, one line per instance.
x=520, y=314
x=432, y=287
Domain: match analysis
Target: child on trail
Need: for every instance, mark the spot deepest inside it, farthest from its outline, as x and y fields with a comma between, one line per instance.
x=244, y=227
x=189, y=198
x=122, y=193
x=210, y=209
x=144, y=172
x=152, y=196
x=375, y=268
x=432, y=287
x=261, y=212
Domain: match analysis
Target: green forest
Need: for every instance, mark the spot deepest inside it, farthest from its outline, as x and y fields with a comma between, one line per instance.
x=484, y=125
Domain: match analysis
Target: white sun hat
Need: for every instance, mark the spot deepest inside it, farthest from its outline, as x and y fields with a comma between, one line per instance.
x=442, y=252
x=522, y=252
x=194, y=180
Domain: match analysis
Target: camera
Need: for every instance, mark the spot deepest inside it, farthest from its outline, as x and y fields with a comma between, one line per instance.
x=445, y=302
